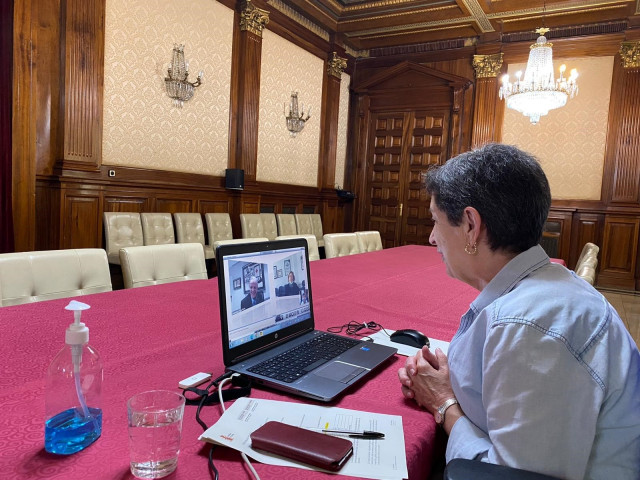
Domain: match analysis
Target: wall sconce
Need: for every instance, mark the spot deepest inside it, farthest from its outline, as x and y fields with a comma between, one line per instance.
x=178, y=87
x=295, y=118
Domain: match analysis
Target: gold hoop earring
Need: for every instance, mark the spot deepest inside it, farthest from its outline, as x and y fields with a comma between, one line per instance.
x=471, y=249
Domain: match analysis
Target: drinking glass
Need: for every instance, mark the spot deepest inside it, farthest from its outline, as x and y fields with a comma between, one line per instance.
x=155, y=426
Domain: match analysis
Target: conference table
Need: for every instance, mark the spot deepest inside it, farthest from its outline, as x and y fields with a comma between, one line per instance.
x=152, y=337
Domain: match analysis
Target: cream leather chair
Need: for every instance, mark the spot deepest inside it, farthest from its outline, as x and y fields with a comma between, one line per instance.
x=251, y=224
x=303, y=224
x=189, y=229
x=49, y=274
x=269, y=225
x=218, y=227
x=369, y=241
x=286, y=224
x=157, y=228
x=121, y=229
x=316, y=227
x=340, y=244
x=312, y=245
x=239, y=240
x=588, y=262
x=154, y=264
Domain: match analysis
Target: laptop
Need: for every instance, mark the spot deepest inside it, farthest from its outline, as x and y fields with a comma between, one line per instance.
x=268, y=333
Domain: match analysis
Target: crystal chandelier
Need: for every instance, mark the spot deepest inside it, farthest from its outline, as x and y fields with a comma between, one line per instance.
x=178, y=87
x=295, y=118
x=538, y=92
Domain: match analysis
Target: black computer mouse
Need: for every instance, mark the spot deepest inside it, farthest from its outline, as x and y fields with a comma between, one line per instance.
x=413, y=338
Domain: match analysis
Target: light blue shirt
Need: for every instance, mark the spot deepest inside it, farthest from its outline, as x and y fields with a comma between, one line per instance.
x=547, y=375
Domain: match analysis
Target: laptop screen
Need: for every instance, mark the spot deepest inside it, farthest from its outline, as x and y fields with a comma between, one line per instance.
x=264, y=290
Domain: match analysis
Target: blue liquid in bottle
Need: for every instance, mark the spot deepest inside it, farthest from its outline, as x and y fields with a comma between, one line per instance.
x=69, y=432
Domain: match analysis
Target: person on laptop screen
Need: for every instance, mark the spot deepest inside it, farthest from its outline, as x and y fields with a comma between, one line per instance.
x=254, y=297
x=291, y=288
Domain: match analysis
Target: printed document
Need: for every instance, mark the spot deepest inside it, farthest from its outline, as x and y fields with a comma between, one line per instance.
x=382, y=459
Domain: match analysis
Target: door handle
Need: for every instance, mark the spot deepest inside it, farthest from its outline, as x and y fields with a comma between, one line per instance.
x=400, y=214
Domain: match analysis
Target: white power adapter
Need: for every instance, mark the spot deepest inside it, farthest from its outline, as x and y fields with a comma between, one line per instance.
x=194, y=380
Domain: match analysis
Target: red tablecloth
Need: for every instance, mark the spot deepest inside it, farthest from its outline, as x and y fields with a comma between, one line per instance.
x=152, y=337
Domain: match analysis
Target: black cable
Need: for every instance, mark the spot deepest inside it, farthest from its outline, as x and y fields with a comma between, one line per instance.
x=353, y=328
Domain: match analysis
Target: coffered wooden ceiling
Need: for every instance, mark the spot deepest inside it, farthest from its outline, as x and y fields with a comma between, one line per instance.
x=365, y=25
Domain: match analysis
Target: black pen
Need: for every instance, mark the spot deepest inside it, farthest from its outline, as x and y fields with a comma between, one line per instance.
x=365, y=434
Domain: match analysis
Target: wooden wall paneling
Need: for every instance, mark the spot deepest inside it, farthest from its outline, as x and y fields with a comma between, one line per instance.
x=48, y=213
x=221, y=205
x=23, y=126
x=119, y=202
x=245, y=88
x=587, y=227
x=83, y=49
x=329, y=121
x=173, y=204
x=564, y=220
x=486, y=98
x=80, y=228
x=619, y=252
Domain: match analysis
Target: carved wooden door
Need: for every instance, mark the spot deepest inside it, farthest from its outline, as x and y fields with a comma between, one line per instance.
x=402, y=147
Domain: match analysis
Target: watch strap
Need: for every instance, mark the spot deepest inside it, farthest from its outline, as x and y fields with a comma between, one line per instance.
x=442, y=409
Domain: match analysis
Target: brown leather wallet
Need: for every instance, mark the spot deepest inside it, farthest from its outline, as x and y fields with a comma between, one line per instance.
x=305, y=446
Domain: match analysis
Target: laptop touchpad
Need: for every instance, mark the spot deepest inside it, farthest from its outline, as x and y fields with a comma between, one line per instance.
x=340, y=371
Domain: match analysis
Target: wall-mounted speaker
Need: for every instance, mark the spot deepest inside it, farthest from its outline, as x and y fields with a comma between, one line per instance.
x=234, y=178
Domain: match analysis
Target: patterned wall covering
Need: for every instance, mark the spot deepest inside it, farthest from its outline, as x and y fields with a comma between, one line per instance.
x=343, y=120
x=570, y=141
x=142, y=128
x=287, y=68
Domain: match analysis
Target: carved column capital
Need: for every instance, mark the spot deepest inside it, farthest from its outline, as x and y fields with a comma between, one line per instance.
x=252, y=18
x=336, y=65
x=630, y=53
x=487, y=66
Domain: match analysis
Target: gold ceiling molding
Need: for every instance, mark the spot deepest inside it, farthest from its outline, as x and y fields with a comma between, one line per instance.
x=252, y=18
x=296, y=17
x=478, y=14
x=354, y=8
x=356, y=53
x=487, y=66
x=399, y=14
x=416, y=27
x=552, y=11
x=630, y=54
x=336, y=65
x=413, y=32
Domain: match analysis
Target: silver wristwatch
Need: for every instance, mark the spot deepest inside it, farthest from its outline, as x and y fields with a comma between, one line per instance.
x=442, y=409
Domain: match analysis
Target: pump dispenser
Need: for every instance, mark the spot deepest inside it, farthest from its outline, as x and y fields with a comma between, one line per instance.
x=73, y=391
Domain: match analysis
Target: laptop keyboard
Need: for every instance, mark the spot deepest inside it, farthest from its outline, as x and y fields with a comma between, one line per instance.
x=294, y=363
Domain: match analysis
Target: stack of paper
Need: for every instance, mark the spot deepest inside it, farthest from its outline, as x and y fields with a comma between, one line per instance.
x=382, y=459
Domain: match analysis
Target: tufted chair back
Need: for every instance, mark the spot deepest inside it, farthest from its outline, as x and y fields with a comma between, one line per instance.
x=121, y=229
x=312, y=245
x=189, y=229
x=303, y=224
x=157, y=228
x=286, y=224
x=218, y=227
x=154, y=264
x=269, y=226
x=251, y=224
x=27, y=277
x=588, y=262
x=340, y=244
x=316, y=228
x=239, y=240
x=369, y=241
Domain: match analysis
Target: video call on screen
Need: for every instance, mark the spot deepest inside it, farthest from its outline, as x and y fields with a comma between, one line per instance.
x=265, y=292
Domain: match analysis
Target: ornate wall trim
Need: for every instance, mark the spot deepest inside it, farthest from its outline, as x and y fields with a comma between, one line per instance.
x=487, y=66
x=630, y=54
x=253, y=19
x=336, y=65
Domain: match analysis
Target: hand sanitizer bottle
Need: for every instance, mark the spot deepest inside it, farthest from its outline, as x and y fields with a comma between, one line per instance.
x=73, y=391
